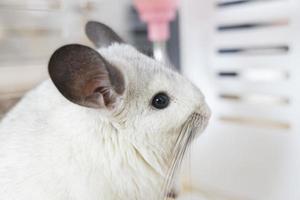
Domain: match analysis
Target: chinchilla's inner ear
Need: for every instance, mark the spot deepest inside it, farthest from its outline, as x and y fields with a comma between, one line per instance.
x=101, y=35
x=84, y=77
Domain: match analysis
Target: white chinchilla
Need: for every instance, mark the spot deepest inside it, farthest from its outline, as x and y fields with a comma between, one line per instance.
x=111, y=124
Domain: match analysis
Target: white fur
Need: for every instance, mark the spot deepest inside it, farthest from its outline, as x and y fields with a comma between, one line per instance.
x=52, y=149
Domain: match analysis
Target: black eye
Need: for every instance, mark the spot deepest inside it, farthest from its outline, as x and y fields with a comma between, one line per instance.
x=160, y=100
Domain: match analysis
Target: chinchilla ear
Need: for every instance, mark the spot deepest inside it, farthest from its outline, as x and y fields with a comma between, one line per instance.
x=101, y=35
x=84, y=77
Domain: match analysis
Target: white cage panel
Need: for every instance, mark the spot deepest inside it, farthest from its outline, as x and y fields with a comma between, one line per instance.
x=244, y=54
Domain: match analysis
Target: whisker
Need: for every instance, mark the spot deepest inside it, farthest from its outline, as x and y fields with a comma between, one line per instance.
x=182, y=144
x=178, y=155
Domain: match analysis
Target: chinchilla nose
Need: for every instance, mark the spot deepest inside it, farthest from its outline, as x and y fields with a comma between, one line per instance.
x=200, y=118
x=204, y=111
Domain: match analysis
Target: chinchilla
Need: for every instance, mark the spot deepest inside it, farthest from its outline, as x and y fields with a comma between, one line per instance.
x=109, y=124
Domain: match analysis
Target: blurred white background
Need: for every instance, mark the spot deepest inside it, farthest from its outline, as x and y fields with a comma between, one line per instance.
x=245, y=57
x=243, y=54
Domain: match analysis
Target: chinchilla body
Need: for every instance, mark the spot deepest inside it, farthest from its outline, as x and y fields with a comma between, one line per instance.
x=107, y=125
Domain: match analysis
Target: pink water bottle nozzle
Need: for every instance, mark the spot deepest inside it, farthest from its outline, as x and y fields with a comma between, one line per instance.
x=157, y=14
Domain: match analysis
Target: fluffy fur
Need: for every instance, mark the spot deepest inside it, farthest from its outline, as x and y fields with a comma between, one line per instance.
x=53, y=149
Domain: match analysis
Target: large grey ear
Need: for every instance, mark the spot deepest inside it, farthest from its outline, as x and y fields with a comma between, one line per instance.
x=84, y=77
x=101, y=35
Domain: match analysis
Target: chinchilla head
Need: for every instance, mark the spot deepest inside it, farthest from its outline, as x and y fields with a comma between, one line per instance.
x=151, y=107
